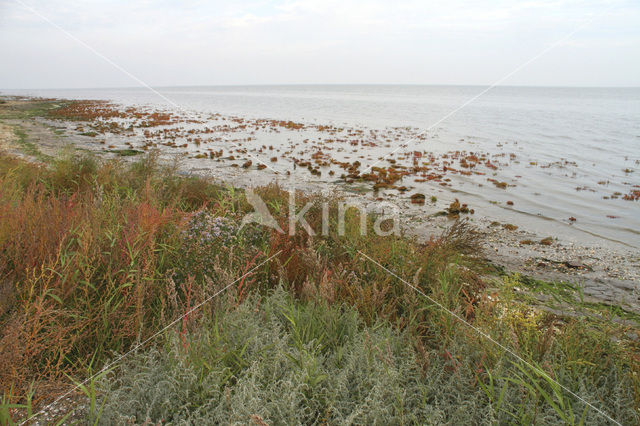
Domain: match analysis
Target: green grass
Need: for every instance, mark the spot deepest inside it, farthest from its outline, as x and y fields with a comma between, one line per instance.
x=126, y=152
x=567, y=296
x=27, y=110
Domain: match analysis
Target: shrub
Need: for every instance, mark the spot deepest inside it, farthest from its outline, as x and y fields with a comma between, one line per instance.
x=277, y=360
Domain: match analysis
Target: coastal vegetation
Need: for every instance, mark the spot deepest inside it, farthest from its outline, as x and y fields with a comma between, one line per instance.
x=98, y=256
x=131, y=293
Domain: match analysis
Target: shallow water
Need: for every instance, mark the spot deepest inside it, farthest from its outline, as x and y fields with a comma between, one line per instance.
x=568, y=147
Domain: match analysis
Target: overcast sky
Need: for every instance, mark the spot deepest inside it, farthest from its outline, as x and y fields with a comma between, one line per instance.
x=192, y=42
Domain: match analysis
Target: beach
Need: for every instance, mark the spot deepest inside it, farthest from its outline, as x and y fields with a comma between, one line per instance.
x=132, y=215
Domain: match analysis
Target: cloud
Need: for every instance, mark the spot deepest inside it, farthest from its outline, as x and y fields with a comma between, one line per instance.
x=321, y=41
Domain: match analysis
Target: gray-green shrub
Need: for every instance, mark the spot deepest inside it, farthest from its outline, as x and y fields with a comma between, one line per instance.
x=280, y=361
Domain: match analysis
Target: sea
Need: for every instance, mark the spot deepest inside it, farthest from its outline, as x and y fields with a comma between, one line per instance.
x=574, y=153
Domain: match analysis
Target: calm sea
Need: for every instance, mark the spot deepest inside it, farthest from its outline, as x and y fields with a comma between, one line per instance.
x=573, y=146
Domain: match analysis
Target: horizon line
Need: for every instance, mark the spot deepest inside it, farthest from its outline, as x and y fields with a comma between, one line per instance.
x=323, y=84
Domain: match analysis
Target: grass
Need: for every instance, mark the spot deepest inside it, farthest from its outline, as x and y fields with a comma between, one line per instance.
x=566, y=296
x=126, y=152
x=109, y=252
x=11, y=110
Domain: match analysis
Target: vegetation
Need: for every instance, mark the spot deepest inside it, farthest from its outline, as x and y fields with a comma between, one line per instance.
x=22, y=110
x=98, y=256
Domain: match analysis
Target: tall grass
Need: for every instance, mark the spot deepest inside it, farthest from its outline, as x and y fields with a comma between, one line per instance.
x=97, y=256
x=90, y=258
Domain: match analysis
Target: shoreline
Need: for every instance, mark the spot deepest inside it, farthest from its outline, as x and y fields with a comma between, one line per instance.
x=145, y=241
x=542, y=189
x=608, y=272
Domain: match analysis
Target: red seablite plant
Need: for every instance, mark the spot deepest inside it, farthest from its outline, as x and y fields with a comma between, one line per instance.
x=634, y=195
x=85, y=270
x=69, y=264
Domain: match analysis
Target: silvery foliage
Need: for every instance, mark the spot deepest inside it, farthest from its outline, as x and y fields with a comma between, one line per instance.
x=255, y=364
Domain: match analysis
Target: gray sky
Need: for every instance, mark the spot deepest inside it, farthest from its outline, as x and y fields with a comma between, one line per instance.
x=192, y=42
